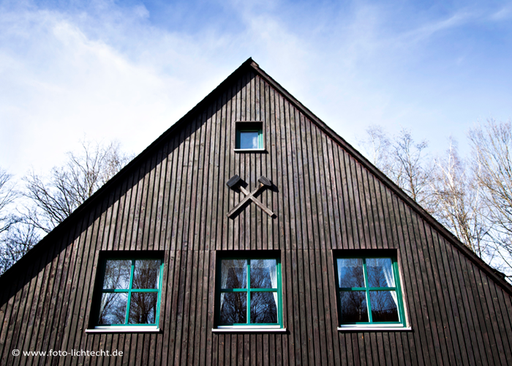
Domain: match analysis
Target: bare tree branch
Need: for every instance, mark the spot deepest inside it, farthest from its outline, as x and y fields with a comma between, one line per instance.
x=492, y=166
x=475, y=204
x=457, y=202
x=7, y=196
x=409, y=169
x=16, y=243
x=56, y=197
x=402, y=159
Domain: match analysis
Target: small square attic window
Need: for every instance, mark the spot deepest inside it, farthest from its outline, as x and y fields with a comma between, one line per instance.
x=249, y=136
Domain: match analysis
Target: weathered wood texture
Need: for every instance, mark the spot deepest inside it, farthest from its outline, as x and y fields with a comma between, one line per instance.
x=175, y=199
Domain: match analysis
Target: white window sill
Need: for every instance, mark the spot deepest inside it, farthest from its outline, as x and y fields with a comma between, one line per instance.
x=242, y=329
x=250, y=150
x=374, y=328
x=126, y=329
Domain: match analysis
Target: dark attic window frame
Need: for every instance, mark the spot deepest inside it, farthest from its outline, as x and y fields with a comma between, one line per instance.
x=131, y=289
x=249, y=127
x=366, y=288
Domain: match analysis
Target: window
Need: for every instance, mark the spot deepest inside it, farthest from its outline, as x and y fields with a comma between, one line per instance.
x=129, y=293
x=249, y=136
x=249, y=293
x=369, y=292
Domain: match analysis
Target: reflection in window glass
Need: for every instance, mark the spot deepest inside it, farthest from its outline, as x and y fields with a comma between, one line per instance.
x=146, y=274
x=233, y=308
x=380, y=272
x=234, y=273
x=131, y=292
x=249, y=292
x=350, y=272
x=353, y=306
x=117, y=274
x=143, y=308
x=264, y=273
x=368, y=291
x=249, y=140
x=113, y=308
x=384, y=306
x=263, y=307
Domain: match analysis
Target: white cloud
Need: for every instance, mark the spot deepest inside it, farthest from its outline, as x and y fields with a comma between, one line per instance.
x=427, y=30
x=502, y=14
x=58, y=83
x=104, y=69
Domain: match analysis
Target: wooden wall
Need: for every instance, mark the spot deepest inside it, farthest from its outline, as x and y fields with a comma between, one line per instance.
x=176, y=200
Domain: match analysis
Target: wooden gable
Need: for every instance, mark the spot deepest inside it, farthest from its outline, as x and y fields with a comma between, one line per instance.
x=327, y=198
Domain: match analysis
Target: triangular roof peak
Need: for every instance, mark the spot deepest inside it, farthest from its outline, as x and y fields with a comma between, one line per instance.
x=251, y=66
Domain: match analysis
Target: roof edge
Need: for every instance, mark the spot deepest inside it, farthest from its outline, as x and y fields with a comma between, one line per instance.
x=12, y=272
x=250, y=64
x=493, y=273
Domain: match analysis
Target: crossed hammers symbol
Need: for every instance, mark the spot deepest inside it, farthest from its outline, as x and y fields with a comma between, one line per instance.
x=235, y=182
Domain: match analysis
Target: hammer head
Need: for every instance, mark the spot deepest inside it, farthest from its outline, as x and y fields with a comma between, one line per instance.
x=234, y=181
x=265, y=181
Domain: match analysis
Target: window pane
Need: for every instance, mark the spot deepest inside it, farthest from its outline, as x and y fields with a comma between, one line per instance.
x=384, y=306
x=350, y=272
x=264, y=307
x=264, y=273
x=380, y=272
x=113, y=308
x=146, y=274
x=233, y=308
x=117, y=274
x=143, y=308
x=249, y=139
x=233, y=273
x=353, y=306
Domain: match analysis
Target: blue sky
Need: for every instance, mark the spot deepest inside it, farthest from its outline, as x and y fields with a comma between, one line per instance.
x=127, y=70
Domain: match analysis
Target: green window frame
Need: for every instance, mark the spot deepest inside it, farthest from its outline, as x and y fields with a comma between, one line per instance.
x=249, y=136
x=369, y=291
x=249, y=292
x=129, y=292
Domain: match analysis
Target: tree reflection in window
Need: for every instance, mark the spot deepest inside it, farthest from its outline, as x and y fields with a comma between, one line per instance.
x=368, y=291
x=353, y=306
x=130, y=292
x=249, y=291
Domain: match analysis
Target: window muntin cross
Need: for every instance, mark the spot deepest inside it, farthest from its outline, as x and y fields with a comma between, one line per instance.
x=130, y=292
x=369, y=291
x=249, y=292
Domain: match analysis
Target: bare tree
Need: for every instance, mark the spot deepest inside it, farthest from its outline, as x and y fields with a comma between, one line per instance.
x=56, y=197
x=16, y=242
x=492, y=166
x=7, y=196
x=378, y=148
x=475, y=204
x=10, y=231
x=457, y=203
x=410, y=169
x=403, y=160
x=15, y=237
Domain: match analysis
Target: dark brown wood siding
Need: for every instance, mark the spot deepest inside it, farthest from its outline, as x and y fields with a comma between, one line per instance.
x=175, y=200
